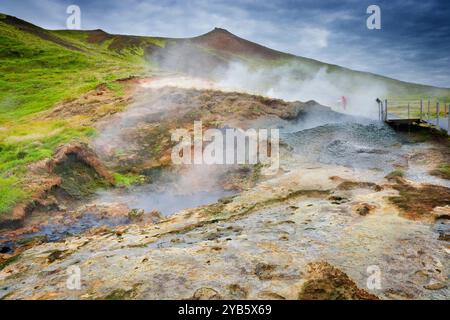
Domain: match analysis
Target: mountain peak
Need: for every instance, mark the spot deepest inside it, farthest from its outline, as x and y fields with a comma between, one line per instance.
x=220, y=30
x=223, y=40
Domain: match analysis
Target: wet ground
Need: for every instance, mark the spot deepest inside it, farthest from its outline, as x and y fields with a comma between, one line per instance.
x=259, y=244
x=260, y=239
x=356, y=145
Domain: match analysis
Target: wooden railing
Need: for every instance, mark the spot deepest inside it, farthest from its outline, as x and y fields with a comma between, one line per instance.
x=433, y=112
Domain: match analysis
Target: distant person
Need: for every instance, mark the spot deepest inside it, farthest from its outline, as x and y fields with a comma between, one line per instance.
x=344, y=102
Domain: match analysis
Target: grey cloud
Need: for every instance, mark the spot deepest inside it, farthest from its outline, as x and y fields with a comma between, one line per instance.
x=416, y=36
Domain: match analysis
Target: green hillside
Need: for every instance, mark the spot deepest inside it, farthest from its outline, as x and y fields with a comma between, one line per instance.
x=38, y=69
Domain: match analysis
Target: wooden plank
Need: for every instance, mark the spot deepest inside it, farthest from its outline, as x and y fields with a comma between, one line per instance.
x=437, y=113
x=402, y=121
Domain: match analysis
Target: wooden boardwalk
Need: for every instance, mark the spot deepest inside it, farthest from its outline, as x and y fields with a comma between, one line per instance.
x=441, y=123
x=415, y=113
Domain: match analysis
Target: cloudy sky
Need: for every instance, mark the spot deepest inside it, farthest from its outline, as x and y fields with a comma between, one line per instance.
x=412, y=45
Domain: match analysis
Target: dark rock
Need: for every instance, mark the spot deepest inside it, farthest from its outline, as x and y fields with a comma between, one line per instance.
x=325, y=282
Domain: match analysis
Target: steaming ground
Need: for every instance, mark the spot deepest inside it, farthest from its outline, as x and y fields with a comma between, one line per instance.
x=284, y=78
x=314, y=138
x=172, y=192
x=330, y=202
x=195, y=186
x=317, y=137
x=292, y=82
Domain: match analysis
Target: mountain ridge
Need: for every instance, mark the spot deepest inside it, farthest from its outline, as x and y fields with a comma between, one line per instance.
x=218, y=39
x=225, y=44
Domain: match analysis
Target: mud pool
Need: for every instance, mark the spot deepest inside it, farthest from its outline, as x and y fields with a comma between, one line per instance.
x=167, y=203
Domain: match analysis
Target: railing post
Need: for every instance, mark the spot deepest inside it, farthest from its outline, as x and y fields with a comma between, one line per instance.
x=386, y=110
x=428, y=117
x=437, y=113
x=448, y=124
x=379, y=110
x=421, y=109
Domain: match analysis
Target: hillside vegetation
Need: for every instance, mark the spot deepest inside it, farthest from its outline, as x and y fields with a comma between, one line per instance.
x=40, y=68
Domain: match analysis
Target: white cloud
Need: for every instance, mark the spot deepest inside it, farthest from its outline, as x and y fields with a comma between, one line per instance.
x=314, y=37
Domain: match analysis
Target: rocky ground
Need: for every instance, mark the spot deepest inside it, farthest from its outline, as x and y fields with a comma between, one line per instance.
x=349, y=199
x=256, y=245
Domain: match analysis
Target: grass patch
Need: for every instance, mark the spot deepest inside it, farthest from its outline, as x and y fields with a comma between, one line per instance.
x=36, y=73
x=16, y=155
x=395, y=174
x=122, y=294
x=117, y=88
x=10, y=194
x=128, y=180
x=39, y=69
x=443, y=171
x=417, y=203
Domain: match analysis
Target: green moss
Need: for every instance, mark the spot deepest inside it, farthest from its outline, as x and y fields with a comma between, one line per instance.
x=118, y=294
x=395, y=174
x=226, y=200
x=256, y=173
x=121, y=294
x=136, y=214
x=7, y=262
x=443, y=171
x=78, y=179
x=128, y=180
x=351, y=185
x=419, y=202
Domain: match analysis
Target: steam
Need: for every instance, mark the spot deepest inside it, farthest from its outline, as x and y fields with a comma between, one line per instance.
x=128, y=140
x=294, y=82
x=160, y=99
x=190, y=187
x=290, y=80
